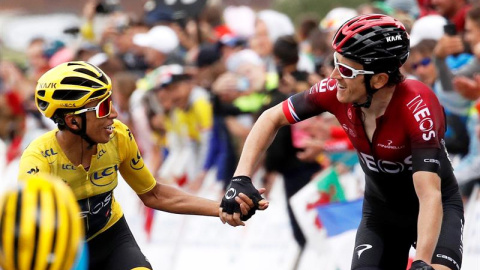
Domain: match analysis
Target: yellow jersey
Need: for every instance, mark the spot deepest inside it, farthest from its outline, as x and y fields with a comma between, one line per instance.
x=93, y=188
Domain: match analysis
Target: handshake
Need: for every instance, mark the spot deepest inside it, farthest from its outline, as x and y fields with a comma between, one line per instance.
x=241, y=201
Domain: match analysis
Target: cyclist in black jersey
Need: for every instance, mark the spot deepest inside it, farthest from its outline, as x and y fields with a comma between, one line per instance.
x=88, y=151
x=397, y=127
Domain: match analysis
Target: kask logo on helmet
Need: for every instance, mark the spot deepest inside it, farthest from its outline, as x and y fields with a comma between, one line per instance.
x=394, y=38
x=47, y=85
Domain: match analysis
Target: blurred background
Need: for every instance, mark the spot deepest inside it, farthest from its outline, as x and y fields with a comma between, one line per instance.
x=190, y=77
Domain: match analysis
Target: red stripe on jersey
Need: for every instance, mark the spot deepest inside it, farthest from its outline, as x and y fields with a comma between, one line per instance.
x=287, y=113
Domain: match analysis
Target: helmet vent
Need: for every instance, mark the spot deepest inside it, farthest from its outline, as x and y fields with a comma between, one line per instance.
x=80, y=82
x=98, y=93
x=74, y=64
x=103, y=78
x=86, y=71
x=69, y=94
x=42, y=104
x=41, y=93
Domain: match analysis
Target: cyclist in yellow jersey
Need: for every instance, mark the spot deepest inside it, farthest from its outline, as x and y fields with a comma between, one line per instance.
x=88, y=150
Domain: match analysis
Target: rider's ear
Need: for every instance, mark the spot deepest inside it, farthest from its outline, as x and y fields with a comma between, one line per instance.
x=379, y=80
x=71, y=122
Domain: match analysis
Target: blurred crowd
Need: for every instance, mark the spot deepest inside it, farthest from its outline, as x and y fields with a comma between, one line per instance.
x=190, y=87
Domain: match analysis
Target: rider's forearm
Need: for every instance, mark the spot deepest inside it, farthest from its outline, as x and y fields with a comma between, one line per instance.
x=429, y=225
x=258, y=140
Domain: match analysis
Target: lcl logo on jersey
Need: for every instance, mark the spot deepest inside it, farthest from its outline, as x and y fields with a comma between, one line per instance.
x=386, y=166
x=101, y=153
x=137, y=162
x=48, y=153
x=68, y=167
x=101, y=177
x=422, y=116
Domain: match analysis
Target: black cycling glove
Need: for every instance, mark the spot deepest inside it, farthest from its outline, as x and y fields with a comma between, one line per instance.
x=421, y=265
x=240, y=184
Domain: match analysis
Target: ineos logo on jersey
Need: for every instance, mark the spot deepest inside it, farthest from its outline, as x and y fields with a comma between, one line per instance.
x=230, y=193
x=68, y=105
x=421, y=114
x=323, y=86
x=386, y=166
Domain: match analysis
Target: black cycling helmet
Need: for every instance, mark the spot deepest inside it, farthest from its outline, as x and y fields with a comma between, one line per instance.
x=379, y=42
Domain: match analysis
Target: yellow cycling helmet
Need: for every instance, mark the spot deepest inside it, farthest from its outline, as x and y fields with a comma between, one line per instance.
x=70, y=86
x=40, y=226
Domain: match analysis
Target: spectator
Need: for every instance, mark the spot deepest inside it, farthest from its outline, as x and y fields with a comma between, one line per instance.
x=454, y=10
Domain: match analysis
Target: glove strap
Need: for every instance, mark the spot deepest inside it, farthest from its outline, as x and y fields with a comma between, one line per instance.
x=241, y=178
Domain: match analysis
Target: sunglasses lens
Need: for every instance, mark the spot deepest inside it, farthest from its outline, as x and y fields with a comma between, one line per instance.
x=426, y=61
x=346, y=72
x=104, y=107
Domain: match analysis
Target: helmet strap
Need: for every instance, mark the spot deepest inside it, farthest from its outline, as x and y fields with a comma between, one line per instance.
x=83, y=131
x=370, y=92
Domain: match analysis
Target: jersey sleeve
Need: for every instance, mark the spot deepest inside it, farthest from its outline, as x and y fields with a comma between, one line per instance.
x=426, y=127
x=320, y=98
x=132, y=165
x=31, y=164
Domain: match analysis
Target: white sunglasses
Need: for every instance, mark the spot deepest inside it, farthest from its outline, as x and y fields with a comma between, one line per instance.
x=348, y=72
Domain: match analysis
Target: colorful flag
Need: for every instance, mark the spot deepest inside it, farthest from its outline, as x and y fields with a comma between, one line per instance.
x=340, y=217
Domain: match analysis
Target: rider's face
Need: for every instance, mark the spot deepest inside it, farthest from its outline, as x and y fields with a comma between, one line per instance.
x=349, y=90
x=99, y=129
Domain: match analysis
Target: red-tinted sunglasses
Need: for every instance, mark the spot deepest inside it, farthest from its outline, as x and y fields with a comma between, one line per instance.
x=348, y=72
x=103, y=108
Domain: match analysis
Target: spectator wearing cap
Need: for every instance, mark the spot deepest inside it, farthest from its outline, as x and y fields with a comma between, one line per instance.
x=188, y=125
x=158, y=45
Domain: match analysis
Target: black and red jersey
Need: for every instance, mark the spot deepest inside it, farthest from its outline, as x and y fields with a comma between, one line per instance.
x=408, y=137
